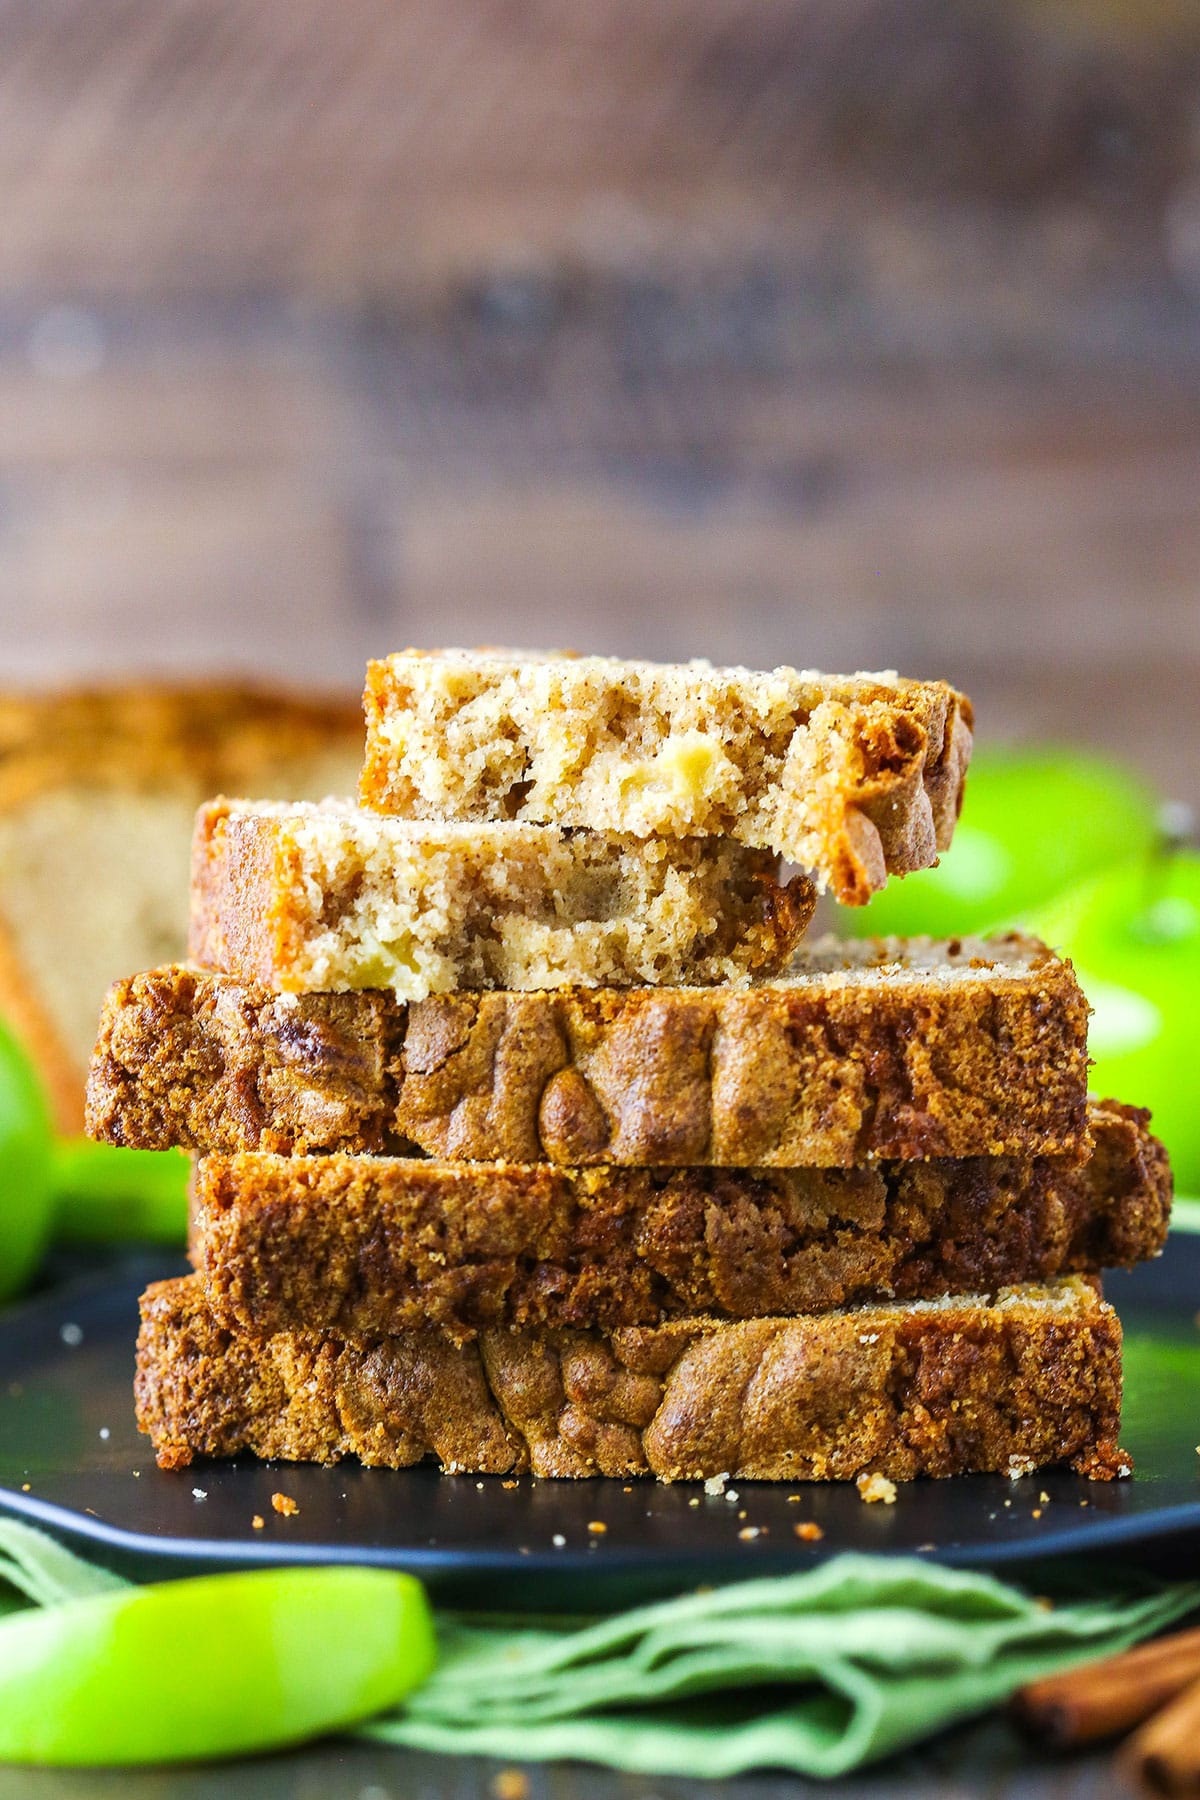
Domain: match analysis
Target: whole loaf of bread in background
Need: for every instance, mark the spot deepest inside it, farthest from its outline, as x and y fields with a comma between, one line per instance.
x=98, y=792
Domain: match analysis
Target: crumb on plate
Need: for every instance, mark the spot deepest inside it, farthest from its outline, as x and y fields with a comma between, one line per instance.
x=510, y=1784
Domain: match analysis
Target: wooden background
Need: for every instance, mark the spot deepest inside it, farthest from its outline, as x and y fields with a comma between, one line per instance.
x=859, y=333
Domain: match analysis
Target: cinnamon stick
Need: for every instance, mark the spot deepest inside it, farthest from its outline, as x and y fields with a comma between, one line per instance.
x=1103, y=1699
x=1164, y=1756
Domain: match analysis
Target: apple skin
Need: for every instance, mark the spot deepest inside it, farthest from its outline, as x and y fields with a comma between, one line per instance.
x=1133, y=934
x=25, y=1181
x=1035, y=822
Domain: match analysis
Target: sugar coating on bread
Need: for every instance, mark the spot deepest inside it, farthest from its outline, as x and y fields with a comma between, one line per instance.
x=852, y=778
x=331, y=899
x=900, y=1049
x=361, y=1244
x=1012, y=1382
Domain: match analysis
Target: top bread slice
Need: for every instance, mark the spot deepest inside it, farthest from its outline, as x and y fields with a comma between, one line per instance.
x=98, y=792
x=851, y=778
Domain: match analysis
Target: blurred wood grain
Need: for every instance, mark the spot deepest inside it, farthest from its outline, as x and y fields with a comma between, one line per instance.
x=192, y=145
x=842, y=332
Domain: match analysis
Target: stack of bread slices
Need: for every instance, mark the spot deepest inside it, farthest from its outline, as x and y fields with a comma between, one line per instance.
x=531, y=1138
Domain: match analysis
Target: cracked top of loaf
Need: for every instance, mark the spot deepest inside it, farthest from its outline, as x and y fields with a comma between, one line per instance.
x=852, y=778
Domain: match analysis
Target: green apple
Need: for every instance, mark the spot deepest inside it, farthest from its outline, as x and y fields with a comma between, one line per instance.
x=1035, y=822
x=1134, y=936
x=26, y=1208
x=71, y=1188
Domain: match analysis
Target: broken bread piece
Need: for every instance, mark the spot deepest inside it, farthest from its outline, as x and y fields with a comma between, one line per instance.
x=1012, y=1382
x=330, y=899
x=852, y=778
x=880, y=1048
x=362, y=1244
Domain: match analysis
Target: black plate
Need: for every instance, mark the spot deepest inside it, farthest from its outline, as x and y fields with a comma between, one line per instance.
x=71, y=1460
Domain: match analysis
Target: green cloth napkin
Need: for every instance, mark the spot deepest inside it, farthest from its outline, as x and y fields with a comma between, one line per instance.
x=818, y=1673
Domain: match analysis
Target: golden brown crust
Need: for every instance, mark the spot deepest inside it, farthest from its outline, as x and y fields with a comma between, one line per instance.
x=360, y=1245
x=1027, y=1379
x=869, y=1050
x=851, y=777
x=328, y=899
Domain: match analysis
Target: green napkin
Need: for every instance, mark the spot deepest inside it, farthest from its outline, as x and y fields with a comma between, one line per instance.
x=818, y=1672
x=34, y=1567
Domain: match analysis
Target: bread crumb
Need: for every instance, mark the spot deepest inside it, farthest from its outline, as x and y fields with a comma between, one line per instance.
x=510, y=1484
x=1045, y=1499
x=808, y=1530
x=873, y=1488
x=558, y=1540
x=716, y=1483
x=283, y=1503
x=510, y=1784
x=257, y=1522
x=749, y=1532
x=1036, y=1513
x=597, y=1525
x=25, y=1486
